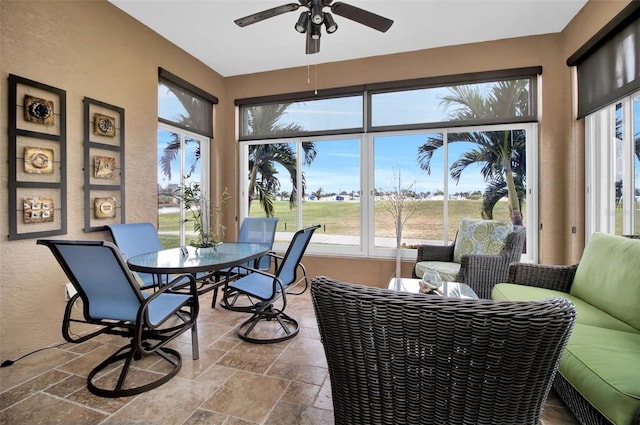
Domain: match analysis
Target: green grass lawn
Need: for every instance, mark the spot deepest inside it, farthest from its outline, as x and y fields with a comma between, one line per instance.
x=343, y=218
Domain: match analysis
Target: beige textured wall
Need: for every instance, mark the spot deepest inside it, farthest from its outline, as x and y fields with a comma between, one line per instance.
x=87, y=48
x=92, y=49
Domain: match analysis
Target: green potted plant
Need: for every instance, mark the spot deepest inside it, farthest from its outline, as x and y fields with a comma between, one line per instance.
x=198, y=210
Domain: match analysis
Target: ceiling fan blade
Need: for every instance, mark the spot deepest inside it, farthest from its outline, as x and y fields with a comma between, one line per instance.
x=362, y=16
x=266, y=14
x=313, y=46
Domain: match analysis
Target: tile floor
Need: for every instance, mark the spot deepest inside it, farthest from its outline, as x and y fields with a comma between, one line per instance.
x=233, y=382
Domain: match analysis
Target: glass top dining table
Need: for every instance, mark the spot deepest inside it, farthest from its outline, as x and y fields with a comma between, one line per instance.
x=189, y=259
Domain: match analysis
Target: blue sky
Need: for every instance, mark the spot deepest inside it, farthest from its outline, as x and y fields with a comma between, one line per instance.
x=337, y=166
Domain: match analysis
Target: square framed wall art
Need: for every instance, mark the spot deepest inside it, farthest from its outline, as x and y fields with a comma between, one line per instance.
x=37, y=159
x=103, y=165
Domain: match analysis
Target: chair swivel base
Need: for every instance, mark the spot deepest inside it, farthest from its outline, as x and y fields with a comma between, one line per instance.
x=229, y=301
x=128, y=355
x=286, y=326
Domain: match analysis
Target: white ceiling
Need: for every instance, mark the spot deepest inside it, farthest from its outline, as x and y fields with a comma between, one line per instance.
x=205, y=28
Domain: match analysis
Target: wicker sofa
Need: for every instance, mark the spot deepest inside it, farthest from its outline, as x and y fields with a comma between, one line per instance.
x=599, y=373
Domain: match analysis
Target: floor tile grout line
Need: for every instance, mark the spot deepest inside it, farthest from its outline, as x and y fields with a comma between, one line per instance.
x=558, y=406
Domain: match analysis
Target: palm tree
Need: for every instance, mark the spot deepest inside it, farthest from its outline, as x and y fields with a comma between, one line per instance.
x=172, y=150
x=263, y=179
x=501, y=153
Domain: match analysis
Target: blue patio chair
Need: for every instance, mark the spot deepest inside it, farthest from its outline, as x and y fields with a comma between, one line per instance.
x=260, y=230
x=139, y=238
x=112, y=300
x=268, y=288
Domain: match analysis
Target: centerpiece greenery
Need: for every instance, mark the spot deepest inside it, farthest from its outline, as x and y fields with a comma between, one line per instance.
x=198, y=209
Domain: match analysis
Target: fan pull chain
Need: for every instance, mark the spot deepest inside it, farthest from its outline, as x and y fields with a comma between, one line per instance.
x=308, y=75
x=316, y=88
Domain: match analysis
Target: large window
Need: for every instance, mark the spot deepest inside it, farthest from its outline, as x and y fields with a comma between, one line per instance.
x=448, y=175
x=185, y=125
x=351, y=180
x=613, y=168
x=182, y=162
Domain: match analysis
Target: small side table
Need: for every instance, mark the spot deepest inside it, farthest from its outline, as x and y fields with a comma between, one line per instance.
x=448, y=289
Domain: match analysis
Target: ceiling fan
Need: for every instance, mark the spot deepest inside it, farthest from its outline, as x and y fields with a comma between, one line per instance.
x=312, y=19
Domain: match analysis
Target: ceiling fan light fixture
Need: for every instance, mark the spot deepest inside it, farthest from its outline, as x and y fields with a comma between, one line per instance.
x=316, y=12
x=329, y=23
x=303, y=21
x=315, y=31
x=310, y=21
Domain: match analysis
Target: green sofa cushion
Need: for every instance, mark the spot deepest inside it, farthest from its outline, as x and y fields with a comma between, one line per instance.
x=480, y=237
x=603, y=365
x=585, y=313
x=608, y=276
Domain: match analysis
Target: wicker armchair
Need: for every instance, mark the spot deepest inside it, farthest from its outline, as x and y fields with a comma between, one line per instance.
x=480, y=271
x=405, y=358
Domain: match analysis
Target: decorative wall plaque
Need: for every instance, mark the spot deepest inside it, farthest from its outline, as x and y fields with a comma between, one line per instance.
x=36, y=166
x=38, y=210
x=104, y=125
x=104, y=207
x=104, y=164
x=104, y=167
x=38, y=110
x=38, y=160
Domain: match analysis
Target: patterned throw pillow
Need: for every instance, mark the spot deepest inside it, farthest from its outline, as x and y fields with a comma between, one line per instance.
x=481, y=237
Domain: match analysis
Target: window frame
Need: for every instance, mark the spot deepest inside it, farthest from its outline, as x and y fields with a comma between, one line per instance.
x=205, y=160
x=599, y=169
x=367, y=248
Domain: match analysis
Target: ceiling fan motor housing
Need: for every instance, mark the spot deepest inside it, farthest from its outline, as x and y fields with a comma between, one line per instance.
x=311, y=21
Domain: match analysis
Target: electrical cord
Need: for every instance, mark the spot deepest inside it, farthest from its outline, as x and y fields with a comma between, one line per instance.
x=7, y=363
